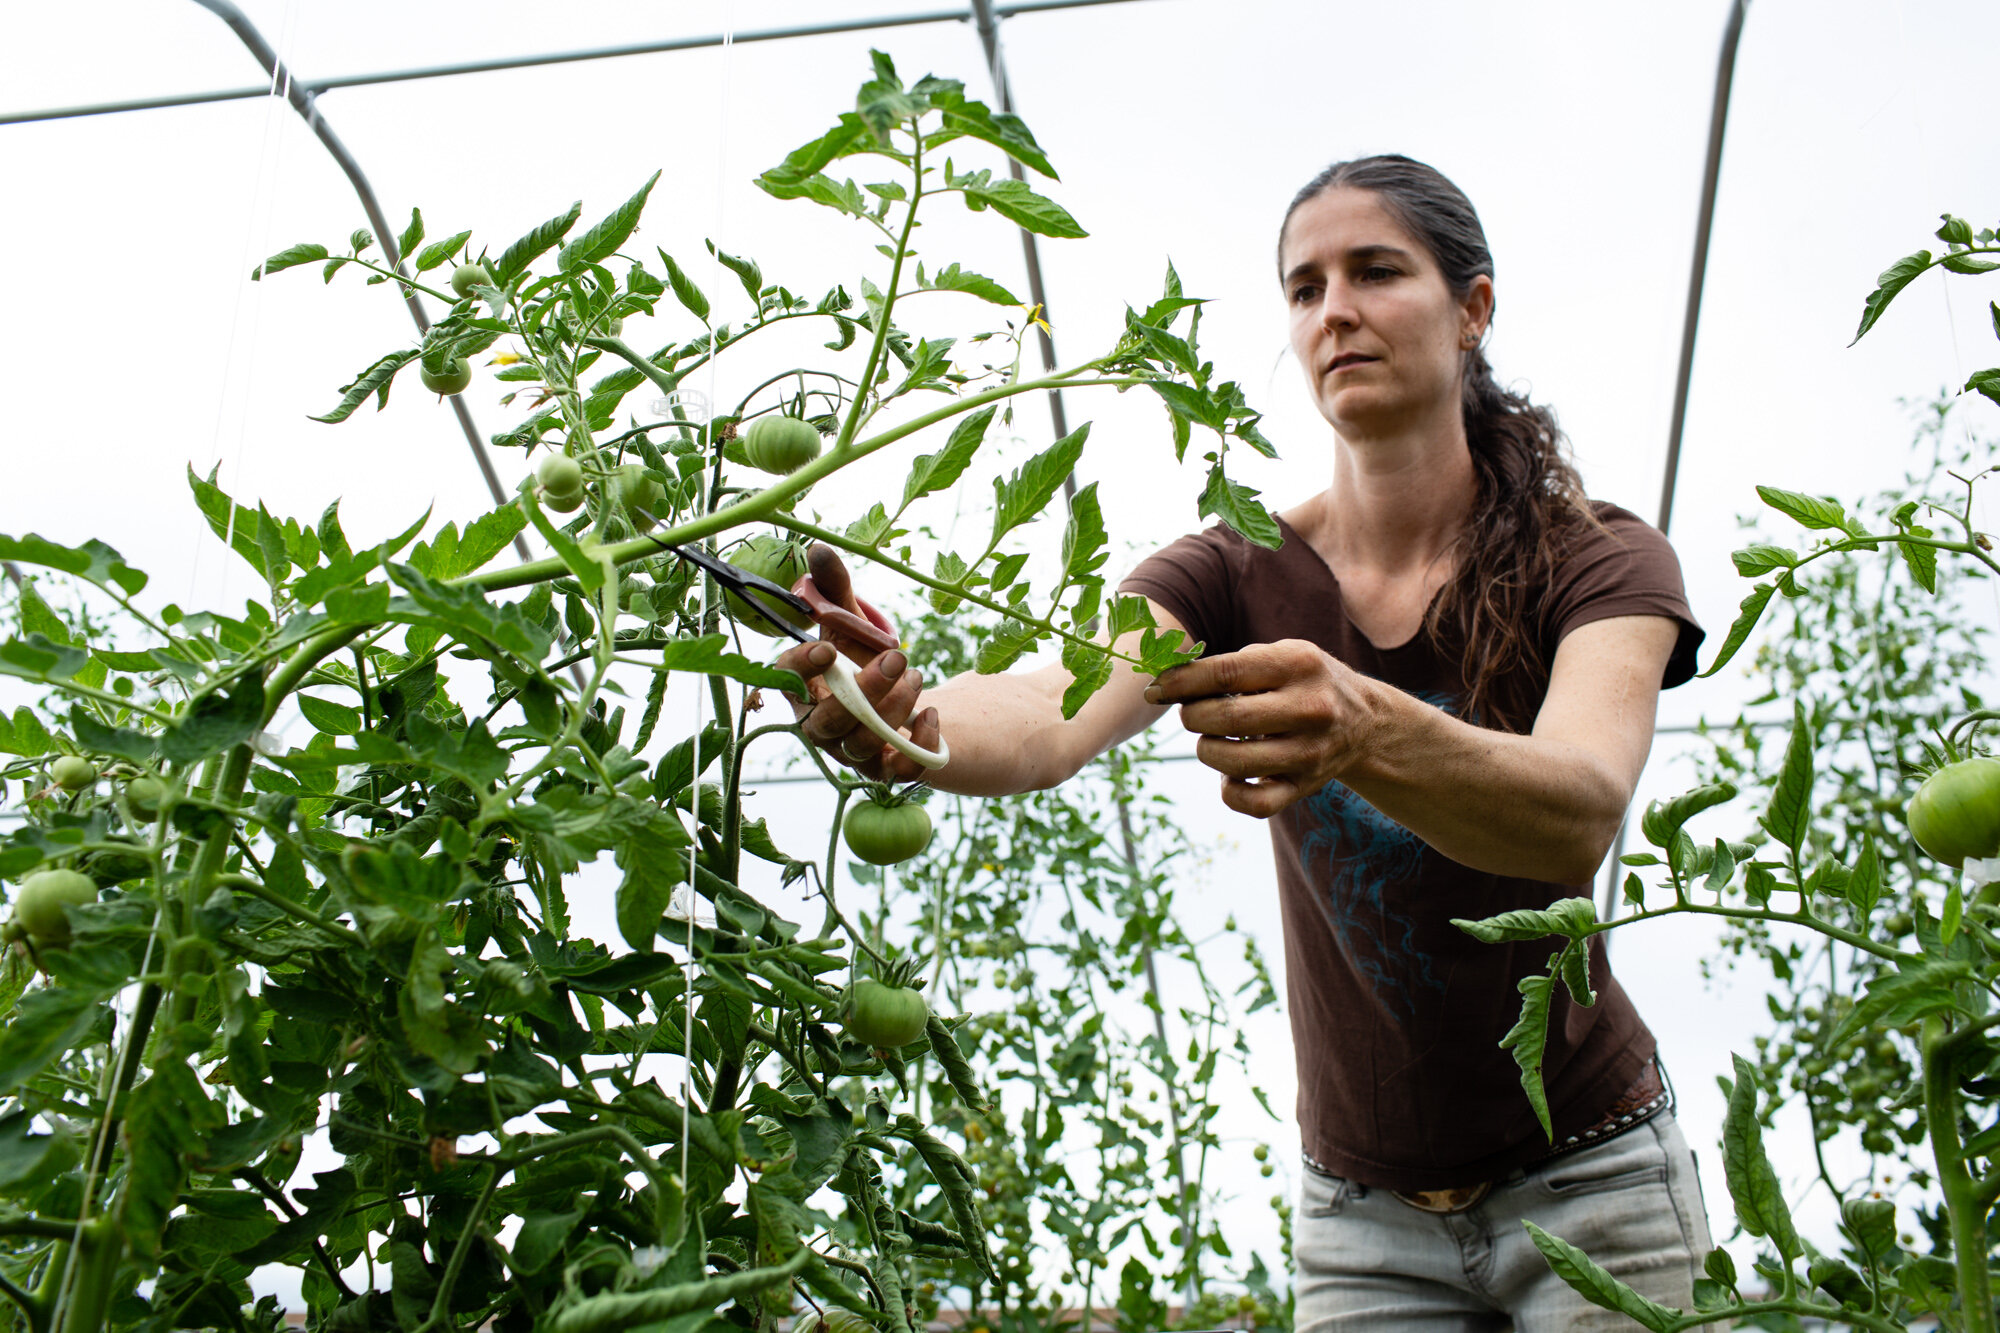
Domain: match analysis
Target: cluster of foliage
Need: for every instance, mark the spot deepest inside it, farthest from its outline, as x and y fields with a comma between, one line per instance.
x=226, y=947
x=1887, y=960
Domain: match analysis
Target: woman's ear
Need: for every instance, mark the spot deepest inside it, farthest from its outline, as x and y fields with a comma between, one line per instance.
x=1478, y=308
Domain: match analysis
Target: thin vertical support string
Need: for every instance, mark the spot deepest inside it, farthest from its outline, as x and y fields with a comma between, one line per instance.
x=707, y=603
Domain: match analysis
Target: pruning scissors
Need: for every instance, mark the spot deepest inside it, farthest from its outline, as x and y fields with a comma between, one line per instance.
x=760, y=595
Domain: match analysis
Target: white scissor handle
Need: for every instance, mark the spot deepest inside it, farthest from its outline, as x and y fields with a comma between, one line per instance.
x=840, y=679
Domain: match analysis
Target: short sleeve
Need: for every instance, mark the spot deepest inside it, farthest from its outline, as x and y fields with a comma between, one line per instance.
x=1628, y=568
x=1193, y=579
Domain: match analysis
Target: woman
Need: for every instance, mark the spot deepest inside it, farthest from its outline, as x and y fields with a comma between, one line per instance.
x=1440, y=692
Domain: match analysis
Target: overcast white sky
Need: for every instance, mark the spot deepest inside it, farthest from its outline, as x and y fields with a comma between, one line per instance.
x=136, y=346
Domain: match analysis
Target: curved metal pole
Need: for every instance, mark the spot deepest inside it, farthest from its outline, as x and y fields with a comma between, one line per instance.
x=305, y=102
x=986, y=18
x=1718, y=119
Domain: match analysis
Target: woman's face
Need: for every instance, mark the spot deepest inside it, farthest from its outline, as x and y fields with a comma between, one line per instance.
x=1378, y=333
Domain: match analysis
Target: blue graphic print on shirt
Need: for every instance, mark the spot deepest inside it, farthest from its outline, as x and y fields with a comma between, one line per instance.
x=1362, y=859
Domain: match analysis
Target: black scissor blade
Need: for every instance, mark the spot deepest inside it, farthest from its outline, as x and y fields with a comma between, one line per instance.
x=750, y=589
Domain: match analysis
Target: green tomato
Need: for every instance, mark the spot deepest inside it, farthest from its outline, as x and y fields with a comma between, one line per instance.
x=775, y=559
x=781, y=444
x=73, y=772
x=885, y=1016
x=146, y=794
x=561, y=477
x=882, y=835
x=643, y=497
x=39, y=906
x=1956, y=813
x=452, y=379
x=468, y=276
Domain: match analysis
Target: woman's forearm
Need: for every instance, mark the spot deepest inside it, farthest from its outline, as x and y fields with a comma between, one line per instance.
x=1515, y=805
x=1008, y=735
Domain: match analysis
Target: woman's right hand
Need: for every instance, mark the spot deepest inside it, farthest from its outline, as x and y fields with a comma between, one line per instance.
x=850, y=626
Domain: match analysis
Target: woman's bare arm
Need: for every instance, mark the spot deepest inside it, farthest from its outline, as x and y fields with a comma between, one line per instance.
x=1281, y=721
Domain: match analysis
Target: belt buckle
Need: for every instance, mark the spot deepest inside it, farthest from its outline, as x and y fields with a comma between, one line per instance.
x=1446, y=1201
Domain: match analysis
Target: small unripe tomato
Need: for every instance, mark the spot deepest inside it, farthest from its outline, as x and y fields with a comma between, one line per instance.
x=44, y=895
x=452, y=379
x=775, y=559
x=561, y=479
x=642, y=496
x=781, y=444
x=1262, y=1152
x=883, y=835
x=468, y=276
x=885, y=1016
x=1956, y=813
x=145, y=795
x=73, y=772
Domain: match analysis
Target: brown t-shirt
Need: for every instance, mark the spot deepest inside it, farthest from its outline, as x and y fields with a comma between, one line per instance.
x=1396, y=1013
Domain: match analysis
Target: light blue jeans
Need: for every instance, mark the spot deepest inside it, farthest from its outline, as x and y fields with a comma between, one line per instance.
x=1366, y=1260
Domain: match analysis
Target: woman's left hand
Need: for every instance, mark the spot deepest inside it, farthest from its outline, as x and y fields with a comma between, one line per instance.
x=1278, y=720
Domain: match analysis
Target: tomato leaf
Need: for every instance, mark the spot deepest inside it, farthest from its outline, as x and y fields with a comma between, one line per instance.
x=1597, y=1286
x=1528, y=1039
x=438, y=252
x=746, y=271
x=934, y=472
x=1762, y=559
x=515, y=259
x=1747, y=615
x=292, y=257
x=1810, y=511
x=1663, y=819
x=1002, y=129
x=1023, y=495
x=216, y=720
x=1090, y=671
x=413, y=235
x=1986, y=382
x=1084, y=537
x=93, y=560
x=1236, y=505
x=374, y=380
x=602, y=241
x=1568, y=917
x=1753, y=1185
x=1013, y=200
x=952, y=278
x=1892, y=280
x=849, y=136
x=1008, y=642
x=1790, y=813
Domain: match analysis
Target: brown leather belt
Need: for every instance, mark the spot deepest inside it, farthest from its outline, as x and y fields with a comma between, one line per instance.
x=1646, y=1098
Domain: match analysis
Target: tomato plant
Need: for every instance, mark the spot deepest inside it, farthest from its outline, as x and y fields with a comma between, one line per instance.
x=1887, y=965
x=331, y=1009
